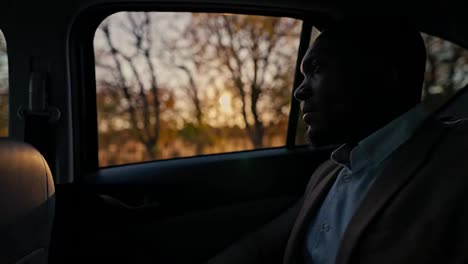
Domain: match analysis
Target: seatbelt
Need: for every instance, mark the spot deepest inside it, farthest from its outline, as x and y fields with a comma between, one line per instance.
x=40, y=117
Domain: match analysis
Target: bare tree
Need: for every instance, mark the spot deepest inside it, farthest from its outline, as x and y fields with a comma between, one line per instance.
x=183, y=58
x=143, y=107
x=253, y=55
x=193, y=90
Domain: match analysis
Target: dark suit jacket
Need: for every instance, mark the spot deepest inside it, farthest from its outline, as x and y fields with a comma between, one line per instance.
x=415, y=212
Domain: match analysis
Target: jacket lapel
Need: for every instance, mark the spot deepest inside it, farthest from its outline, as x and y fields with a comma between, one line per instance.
x=405, y=163
x=321, y=182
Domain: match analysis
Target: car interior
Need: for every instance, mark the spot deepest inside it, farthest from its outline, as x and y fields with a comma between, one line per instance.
x=164, y=131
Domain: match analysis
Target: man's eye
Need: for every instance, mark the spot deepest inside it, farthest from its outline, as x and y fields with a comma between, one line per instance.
x=316, y=68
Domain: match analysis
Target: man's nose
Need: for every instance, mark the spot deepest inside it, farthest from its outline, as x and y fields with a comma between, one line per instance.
x=303, y=92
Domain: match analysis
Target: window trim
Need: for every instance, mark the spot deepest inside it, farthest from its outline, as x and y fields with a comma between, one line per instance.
x=9, y=114
x=82, y=71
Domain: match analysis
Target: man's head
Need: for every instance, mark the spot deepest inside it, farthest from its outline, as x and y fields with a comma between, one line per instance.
x=359, y=75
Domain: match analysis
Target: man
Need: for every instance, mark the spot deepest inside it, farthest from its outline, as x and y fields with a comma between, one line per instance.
x=394, y=191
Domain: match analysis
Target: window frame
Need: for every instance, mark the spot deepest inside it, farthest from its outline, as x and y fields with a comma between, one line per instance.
x=9, y=114
x=83, y=81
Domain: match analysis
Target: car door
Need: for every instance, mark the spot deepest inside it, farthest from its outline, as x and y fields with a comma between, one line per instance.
x=186, y=137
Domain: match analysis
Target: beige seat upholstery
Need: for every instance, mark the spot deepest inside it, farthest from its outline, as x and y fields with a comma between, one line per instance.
x=26, y=204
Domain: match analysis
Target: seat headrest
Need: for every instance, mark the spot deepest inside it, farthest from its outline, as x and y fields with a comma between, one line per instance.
x=26, y=203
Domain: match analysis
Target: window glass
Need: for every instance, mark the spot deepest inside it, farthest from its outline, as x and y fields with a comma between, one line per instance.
x=446, y=69
x=446, y=73
x=184, y=84
x=3, y=87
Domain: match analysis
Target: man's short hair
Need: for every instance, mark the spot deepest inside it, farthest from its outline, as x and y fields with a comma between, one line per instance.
x=392, y=41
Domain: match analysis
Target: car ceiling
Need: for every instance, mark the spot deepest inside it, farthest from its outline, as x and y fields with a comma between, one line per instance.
x=443, y=18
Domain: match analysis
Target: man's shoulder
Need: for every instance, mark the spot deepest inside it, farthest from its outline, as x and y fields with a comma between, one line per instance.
x=441, y=130
x=457, y=132
x=460, y=124
x=455, y=142
x=445, y=150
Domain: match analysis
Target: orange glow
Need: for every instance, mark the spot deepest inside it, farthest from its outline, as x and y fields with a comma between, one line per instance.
x=225, y=103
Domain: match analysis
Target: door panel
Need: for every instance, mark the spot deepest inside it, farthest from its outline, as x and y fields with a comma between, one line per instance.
x=180, y=211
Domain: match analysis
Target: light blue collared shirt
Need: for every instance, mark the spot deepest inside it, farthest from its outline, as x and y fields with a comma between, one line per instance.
x=361, y=165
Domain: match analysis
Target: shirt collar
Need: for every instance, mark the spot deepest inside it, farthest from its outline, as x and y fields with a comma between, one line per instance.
x=342, y=155
x=378, y=146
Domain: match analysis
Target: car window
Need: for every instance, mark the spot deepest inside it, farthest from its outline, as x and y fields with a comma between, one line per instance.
x=3, y=87
x=446, y=69
x=171, y=84
x=446, y=73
